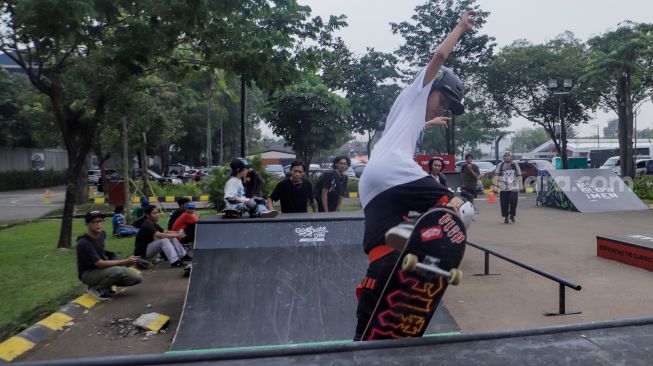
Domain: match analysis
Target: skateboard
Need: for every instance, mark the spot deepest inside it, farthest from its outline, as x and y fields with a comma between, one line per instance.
x=427, y=264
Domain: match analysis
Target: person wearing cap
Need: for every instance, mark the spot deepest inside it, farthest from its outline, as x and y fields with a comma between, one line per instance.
x=181, y=203
x=98, y=268
x=186, y=222
x=152, y=239
x=436, y=164
x=393, y=183
x=508, y=176
x=234, y=192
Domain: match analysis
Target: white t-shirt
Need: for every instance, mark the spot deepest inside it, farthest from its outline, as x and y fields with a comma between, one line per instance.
x=392, y=163
x=234, y=189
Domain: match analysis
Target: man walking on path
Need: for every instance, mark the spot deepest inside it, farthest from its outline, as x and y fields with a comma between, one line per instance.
x=509, y=180
x=97, y=268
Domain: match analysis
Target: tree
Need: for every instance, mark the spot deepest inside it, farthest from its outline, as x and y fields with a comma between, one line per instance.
x=620, y=71
x=77, y=53
x=308, y=117
x=646, y=133
x=518, y=76
x=432, y=22
x=527, y=139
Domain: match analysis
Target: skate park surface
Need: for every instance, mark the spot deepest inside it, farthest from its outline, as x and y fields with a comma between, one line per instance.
x=560, y=242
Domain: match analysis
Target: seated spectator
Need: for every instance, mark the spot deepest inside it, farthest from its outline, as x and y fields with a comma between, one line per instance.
x=118, y=223
x=152, y=240
x=186, y=222
x=296, y=192
x=97, y=268
x=138, y=213
x=176, y=213
x=234, y=193
x=254, y=184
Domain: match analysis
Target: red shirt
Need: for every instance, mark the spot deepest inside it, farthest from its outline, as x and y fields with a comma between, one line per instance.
x=184, y=220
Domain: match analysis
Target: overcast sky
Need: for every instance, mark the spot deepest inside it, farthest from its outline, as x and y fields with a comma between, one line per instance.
x=534, y=20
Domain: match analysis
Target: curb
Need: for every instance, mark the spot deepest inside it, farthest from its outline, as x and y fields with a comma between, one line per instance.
x=168, y=199
x=24, y=341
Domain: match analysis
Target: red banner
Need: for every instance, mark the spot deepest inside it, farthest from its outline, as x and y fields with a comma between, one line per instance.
x=449, y=162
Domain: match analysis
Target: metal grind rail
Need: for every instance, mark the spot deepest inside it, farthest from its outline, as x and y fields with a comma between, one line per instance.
x=562, y=282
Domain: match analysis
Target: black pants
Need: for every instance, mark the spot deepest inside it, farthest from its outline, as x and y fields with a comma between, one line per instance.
x=384, y=212
x=508, y=203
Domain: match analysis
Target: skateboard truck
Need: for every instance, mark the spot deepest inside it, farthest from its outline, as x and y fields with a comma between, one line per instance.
x=412, y=263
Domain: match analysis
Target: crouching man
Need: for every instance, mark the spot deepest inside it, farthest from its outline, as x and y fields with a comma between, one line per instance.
x=97, y=268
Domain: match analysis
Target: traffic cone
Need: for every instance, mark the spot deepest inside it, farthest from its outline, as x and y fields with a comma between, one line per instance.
x=491, y=198
x=46, y=197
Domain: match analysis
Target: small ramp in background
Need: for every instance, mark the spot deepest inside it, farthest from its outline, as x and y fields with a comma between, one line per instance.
x=283, y=281
x=587, y=190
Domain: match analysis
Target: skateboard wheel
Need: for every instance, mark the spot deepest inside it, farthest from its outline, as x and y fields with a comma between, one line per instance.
x=410, y=262
x=455, y=276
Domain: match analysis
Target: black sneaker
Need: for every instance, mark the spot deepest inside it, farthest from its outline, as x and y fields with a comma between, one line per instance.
x=178, y=264
x=187, y=258
x=505, y=221
x=98, y=294
x=512, y=218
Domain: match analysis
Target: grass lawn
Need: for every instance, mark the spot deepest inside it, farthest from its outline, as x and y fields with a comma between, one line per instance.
x=37, y=278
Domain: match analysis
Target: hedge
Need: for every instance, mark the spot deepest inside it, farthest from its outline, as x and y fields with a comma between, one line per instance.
x=15, y=180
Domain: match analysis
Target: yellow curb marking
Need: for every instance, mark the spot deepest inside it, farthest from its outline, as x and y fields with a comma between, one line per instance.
x=55, y=321
x=98, y=200
x=86, y=301
x=170, y=199
x=136, y=200
x=153, y=199
x=14, y=347
x=353, y=194
x=204, y=198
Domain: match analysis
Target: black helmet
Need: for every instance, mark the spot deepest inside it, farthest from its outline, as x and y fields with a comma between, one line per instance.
x=447, y=82
x=237, y=165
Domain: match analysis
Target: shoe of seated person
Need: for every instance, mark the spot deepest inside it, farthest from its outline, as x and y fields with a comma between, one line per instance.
x=186, y=258
x=98, y=294
x=178, y=264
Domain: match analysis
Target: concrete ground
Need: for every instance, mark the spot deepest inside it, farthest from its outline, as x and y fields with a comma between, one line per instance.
x=559, y=242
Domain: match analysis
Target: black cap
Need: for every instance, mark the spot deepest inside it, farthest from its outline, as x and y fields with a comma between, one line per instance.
x=447, y=82
x=93, y=214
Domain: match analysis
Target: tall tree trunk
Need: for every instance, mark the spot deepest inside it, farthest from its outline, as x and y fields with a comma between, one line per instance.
x=81, y=188
x=144, y=167
x=625, y=112
x=370, y=137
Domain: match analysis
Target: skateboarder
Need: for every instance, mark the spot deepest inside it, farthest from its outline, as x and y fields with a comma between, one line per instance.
x=393, y=183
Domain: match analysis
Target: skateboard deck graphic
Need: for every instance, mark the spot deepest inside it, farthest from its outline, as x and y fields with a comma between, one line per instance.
x=426, y=266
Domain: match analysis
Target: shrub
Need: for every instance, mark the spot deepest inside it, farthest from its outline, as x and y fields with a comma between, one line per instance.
x=214, y=186
x=643, y=187
x=31, y=179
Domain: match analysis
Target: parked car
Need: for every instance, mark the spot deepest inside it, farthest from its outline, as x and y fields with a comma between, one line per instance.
x=641, y=167
x=529, y=172
x=613, y=163
x=93, y=176
x=649, y=167
x=542, y=164
x=154, y=176
x=275, y=170
x=177, y=171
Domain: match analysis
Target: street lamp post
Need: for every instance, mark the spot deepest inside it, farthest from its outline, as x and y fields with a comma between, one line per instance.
x=561, y=92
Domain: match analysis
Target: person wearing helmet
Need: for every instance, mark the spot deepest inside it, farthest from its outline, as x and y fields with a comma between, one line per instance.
x=393, y=183
x=234, y=192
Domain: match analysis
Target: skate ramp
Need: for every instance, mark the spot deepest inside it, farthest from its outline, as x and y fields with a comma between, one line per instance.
x=587, y=190
x=282, y=281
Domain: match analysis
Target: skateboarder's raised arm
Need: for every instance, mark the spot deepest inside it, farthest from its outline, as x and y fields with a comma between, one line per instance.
x=465, y=24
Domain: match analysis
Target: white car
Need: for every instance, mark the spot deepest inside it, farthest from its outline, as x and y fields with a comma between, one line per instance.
x=614, y=165
x=275, y=170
